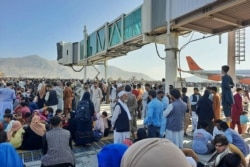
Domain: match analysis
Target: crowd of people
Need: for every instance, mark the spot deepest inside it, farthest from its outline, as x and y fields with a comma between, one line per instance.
x=51, y=115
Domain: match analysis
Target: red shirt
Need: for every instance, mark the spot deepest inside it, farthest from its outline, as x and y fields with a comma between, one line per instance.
x=135, y=92
x=237, y=107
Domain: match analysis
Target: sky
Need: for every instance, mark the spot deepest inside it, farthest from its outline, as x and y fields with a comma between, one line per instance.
x=33, y=27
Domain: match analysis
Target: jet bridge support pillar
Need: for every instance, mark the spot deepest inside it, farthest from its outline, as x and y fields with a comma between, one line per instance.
x=231, y=55
x=105, y=70
x=171, y=60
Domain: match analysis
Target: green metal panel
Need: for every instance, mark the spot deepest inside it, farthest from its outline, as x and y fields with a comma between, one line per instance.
x=132, y=24
x=115, y=30
x=101, y=40
x=92, y=47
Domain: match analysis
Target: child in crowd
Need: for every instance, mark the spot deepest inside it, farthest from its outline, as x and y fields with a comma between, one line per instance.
x=98, y=130
x=7, y=111
x=60, y=114
x=47, y=112
x=106, y=122
x=99, y=123
x=141, y=134
x=8, y=120
x=243, y=121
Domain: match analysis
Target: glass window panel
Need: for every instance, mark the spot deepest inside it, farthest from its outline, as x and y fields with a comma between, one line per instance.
x=132, y=25
x=101, y=40
x=92, y=44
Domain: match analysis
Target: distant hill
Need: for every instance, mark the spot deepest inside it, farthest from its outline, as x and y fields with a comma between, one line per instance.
x=37, y=67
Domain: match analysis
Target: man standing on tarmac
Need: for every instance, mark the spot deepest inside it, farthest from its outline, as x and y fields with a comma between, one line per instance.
x=194, y=98
x=145, y=100
x=96, y=96
x=154, y=115
x=132, y=106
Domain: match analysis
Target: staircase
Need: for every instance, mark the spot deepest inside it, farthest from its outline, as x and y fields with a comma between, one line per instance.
x=240, y=45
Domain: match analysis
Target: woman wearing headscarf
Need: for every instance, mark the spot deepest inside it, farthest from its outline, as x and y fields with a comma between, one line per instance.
x=82, y=124
x=9, y=156
x=143, y=154
x=205, y=111
x=32, y=139
x=22, y=109
x=15, y=135
x=111, y=155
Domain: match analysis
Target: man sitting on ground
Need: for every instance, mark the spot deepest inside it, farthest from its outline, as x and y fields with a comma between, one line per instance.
x=202, y=140
x=234, y=138
x=57, y=146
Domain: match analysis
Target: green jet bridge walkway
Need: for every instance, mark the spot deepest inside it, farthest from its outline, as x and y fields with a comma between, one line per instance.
x=111, y=40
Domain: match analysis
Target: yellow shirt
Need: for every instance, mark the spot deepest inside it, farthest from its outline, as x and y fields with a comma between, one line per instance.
x=17, y=140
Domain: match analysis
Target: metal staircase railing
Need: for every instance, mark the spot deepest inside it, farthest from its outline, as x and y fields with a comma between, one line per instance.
x=240, y=45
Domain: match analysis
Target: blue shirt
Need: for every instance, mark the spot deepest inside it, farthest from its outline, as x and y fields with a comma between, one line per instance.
x=200, y=141
x=234, y=138
x=154, y=114
x=165, y=102
x=244, y=119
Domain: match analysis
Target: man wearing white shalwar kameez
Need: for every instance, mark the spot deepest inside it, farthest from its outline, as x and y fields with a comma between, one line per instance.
x=96, y=97
x=112, y=98
x=120, y=119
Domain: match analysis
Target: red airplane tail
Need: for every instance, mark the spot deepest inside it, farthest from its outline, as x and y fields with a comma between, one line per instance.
x=193, y=66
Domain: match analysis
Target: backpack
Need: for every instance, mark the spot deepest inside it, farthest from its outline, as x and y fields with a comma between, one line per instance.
x=83, y=112
x=97, y=135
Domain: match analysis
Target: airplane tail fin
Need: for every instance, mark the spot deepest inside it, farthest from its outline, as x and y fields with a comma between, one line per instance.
x=193, y=66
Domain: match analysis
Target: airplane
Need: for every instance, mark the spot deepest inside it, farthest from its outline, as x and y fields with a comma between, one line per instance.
x=242, y=76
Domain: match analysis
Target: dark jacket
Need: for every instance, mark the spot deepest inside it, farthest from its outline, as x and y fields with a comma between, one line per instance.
x=31, y=141
x=205, y=108
x=226, y=85
x=122, y=122
x=52, y=98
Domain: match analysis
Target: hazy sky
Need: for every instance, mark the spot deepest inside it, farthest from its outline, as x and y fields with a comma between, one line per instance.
x=31, y=27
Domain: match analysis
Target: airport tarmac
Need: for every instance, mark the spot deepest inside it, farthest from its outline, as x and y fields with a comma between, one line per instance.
x=87, y=157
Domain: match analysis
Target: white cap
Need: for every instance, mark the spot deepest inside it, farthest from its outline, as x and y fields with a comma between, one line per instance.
x=122, y=93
